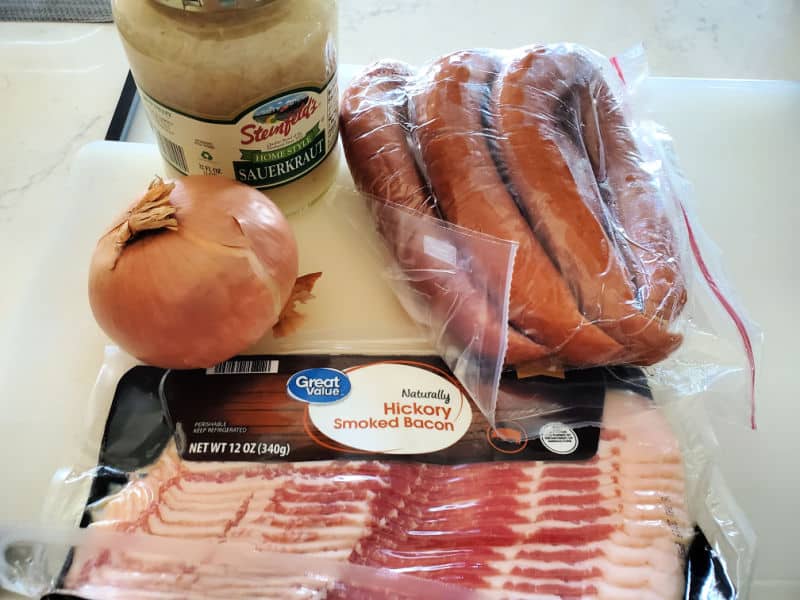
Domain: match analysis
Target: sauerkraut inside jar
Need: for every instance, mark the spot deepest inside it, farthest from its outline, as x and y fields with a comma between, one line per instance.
x=245, y=89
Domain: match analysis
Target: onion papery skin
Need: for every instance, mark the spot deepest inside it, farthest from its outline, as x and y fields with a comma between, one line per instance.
x=195, y=296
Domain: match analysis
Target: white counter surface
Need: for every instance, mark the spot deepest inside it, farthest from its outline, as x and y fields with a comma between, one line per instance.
x=59, y=85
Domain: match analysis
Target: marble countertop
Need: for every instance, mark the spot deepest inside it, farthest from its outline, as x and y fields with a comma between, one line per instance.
x=59, y=84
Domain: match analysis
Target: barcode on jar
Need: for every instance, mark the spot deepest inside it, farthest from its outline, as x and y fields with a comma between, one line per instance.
x=244, y=367
x=173, y=153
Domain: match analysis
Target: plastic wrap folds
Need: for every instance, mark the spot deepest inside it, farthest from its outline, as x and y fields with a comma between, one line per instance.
x=434, y=274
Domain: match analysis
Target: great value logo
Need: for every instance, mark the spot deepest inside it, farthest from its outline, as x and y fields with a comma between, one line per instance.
x=318, y=386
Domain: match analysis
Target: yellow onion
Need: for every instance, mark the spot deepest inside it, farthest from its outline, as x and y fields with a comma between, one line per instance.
x=195, y=272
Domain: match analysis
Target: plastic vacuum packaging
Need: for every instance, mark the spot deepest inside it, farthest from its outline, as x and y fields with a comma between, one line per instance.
x=230, y=570
x=390, y=483
x=551, y=147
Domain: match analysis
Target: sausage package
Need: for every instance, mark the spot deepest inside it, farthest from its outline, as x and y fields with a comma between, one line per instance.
x=549, y=147
x=286, y=477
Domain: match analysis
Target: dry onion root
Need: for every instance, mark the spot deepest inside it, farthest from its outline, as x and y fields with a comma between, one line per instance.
x=195, y=272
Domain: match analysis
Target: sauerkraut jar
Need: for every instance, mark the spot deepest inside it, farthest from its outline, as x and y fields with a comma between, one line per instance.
x=245, y=89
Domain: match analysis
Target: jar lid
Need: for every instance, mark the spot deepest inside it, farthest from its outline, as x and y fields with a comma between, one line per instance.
x=212, y=5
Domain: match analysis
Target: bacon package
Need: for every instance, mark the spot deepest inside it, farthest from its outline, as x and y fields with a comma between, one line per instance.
x=224, y=484
x=549, y=147
x=615, y=526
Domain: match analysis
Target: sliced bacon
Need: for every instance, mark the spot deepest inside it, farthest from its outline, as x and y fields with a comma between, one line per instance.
x=614, y=526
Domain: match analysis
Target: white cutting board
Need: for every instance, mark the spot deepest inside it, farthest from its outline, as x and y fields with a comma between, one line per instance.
x=57, y=349
x=354, y=309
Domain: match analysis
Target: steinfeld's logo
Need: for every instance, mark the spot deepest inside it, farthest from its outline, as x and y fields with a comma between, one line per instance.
x=318, y=386
x=279, y=117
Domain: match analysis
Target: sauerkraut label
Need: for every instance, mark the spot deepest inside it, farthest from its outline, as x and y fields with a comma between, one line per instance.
x=271, y=143
x=396, y=409
x=322, y=407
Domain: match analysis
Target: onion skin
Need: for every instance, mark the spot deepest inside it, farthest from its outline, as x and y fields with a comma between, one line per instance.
x=195, y=296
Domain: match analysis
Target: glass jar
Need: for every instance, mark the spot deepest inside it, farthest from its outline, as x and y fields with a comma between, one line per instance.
x=245, y=89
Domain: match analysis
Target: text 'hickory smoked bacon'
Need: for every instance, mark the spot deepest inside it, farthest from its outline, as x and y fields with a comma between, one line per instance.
x=447, y=109
x=614, y=527
x=374, y=136
x=557, y=190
